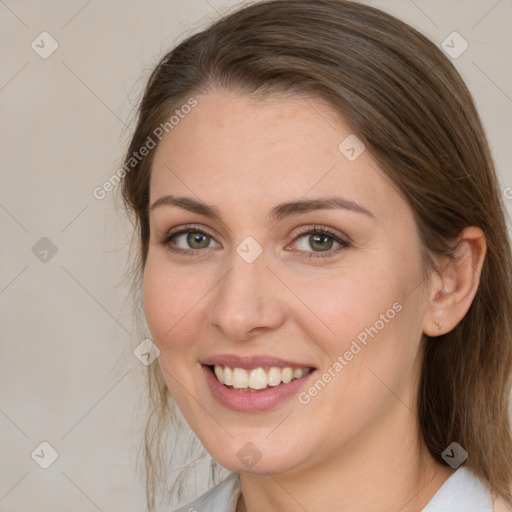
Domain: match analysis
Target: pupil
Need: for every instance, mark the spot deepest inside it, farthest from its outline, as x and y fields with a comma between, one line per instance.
x=321, y=242
x=197, y=240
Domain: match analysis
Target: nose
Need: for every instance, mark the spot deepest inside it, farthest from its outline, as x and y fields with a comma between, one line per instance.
x=247, y=301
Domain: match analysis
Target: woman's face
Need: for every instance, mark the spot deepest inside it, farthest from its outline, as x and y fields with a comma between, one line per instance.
x=278, y=249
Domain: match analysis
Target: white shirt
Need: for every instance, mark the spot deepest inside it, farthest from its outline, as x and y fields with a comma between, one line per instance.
x=461, y=492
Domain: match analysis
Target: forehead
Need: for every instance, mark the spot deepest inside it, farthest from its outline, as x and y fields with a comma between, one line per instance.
x=235, y=150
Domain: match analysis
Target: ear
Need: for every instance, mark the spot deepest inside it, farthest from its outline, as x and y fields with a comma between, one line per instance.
x=454, y=285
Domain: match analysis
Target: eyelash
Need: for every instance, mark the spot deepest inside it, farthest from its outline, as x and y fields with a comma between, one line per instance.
x=316, y=230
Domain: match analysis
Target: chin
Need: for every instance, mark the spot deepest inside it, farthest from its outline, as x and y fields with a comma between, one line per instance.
x=263, y=466
x=259, y=456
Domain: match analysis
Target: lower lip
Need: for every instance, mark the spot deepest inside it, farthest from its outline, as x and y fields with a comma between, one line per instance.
x=253, y=400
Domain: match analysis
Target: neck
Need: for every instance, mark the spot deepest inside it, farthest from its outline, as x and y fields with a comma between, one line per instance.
x=387, y=468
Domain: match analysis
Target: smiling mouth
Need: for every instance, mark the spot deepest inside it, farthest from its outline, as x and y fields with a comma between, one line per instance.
x=257, y=379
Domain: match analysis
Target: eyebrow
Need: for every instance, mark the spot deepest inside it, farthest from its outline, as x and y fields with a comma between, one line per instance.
x=279, y=212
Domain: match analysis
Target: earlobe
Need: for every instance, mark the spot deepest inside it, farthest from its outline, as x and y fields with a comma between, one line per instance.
x=454, y=285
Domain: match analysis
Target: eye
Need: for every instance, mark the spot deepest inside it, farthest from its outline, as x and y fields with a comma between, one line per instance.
x=320, y=240
x=315, y=242
x=188, y=239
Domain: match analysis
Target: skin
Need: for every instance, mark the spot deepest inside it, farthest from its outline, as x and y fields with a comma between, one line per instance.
x=356, y=445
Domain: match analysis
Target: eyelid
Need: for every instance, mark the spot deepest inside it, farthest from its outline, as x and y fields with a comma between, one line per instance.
x=320, y=229
x=188, y=228
x=343, y=240
x=182, y=230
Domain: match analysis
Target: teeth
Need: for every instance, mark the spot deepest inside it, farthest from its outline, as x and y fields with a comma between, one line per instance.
x=257, y=378
x=286, y=375
x=228, y=376
x=274, y=376
x=240, y=378
x=219, y=372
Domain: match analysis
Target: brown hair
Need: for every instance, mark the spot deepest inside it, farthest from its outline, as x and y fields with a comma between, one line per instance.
x=406, y=101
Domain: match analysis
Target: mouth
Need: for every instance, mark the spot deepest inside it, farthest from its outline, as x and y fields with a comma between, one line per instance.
x=254, y=384
x=256, y=379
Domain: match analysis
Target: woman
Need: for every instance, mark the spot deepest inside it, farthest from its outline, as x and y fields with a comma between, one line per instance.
x=325, y=265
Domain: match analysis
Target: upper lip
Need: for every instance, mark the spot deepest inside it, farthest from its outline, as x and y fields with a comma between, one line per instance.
x=250, y=362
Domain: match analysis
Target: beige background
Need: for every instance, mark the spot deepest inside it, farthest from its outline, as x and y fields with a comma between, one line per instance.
x=68, y=375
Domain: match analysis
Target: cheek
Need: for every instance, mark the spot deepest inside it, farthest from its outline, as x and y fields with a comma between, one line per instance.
x=170, y=315
x=170, y=304
x=342, y=305
x=380, y=344
x=368, y=316
x=156, y=293
x=371, y=360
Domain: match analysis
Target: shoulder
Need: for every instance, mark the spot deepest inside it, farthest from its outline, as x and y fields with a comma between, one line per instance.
x=223, y=496
x=501, y=506
x=463, y=491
